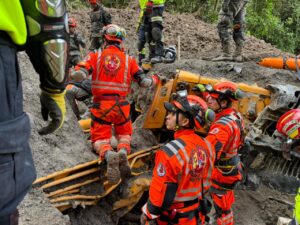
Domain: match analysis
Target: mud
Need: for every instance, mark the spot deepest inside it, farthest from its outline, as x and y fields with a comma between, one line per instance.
x=69, y=147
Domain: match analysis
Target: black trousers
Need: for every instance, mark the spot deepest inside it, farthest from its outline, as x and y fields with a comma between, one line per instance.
x=17, y=170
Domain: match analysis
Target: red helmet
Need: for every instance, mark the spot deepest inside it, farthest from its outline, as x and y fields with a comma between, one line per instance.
x=193, y=107
x=93, y=1
x=72, y=22
x=289, y=124
x=226, y=89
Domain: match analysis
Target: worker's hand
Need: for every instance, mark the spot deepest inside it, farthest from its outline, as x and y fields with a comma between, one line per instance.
x=149, y=7
x=159, y=79
x=79, y=75
x=53, y=105
x=199, y=87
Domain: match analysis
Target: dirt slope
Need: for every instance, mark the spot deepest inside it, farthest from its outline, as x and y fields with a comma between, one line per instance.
x=197, y=40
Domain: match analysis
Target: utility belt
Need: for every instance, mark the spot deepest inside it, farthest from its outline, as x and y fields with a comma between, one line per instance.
x=228, y=163
x=109, y=97
x=118, y=103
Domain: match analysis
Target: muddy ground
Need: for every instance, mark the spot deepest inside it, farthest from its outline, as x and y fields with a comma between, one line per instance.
x=198, y=41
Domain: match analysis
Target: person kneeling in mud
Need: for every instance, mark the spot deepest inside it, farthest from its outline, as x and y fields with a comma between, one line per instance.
x=112, y=73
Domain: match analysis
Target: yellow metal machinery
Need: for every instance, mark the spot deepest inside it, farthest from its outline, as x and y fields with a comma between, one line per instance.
x=86, y=184
x=255, y=100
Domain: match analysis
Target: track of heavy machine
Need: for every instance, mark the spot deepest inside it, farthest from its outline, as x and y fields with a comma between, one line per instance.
x=86, y=184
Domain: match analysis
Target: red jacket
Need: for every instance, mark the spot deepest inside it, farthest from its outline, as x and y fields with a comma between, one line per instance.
x=182, y=167
x=113, y=71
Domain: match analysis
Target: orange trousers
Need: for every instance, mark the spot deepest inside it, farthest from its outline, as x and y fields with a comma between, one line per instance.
x=113, y=114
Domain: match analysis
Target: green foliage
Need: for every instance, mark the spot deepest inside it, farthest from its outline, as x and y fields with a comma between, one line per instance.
x=275, y=21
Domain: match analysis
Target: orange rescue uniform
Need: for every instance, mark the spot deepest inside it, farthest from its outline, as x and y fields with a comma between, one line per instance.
x=226, y=136
x=182, y=168
x=113, y=72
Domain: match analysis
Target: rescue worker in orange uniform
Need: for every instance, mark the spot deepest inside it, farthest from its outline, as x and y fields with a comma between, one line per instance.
x=288, y=132
x=112, y=73
x=182, y=167
x=226, y=135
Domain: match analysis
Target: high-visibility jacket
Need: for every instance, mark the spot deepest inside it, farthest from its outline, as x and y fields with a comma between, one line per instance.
x=113, y=71
x=226, y=135
x=155, y=2
x=297, y=207
x=13, y=23
x=182, y=167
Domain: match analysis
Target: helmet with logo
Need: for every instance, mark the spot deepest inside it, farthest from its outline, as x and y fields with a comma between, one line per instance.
x=192, y=107
x=72, y=22
x=289, y=124
x=113, y=32
x=226, y=90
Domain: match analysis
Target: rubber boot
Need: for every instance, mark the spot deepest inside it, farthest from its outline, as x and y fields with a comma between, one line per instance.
x=113, y=172
x=237, y=56
x=225, y=56
x=124, y=166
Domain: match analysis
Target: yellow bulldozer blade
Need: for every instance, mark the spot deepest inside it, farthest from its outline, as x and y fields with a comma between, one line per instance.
x=86, y=184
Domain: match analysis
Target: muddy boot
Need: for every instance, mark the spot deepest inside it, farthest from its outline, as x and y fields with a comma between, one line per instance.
x=113, y=172
x=225, y=56
x=237, y=56
x=124, y=164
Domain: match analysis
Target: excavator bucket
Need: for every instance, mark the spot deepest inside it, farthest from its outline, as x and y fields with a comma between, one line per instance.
x=86, y=184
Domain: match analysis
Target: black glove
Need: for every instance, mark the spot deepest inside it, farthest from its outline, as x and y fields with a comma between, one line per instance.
x=53, y=105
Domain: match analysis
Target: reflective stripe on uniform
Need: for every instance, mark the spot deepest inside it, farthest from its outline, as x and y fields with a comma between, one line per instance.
x=156, y=19
x=172, y=148
x=107, y=85
x=188, y=198
x=206, y=182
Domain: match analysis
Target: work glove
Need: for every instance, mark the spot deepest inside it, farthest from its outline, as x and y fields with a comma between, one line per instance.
x=159, y=79
x=149, y=7
x=53, y=105
x=79, y=75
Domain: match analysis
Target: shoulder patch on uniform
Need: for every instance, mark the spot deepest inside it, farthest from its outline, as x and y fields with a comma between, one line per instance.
x=161, y=170
x=197, y=162
x=215, y=131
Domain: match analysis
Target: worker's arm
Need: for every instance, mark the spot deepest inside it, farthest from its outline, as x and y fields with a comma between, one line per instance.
x=219, y=136
x=47, y=48
x=163, y=187
x=141, y=78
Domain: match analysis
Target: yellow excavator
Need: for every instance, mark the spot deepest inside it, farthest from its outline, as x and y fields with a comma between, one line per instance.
x=86, y=184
